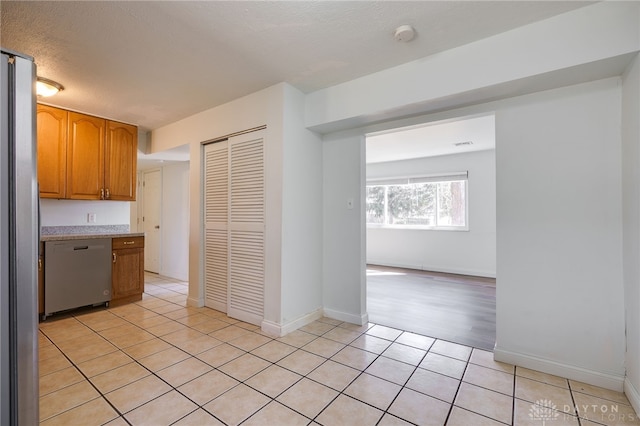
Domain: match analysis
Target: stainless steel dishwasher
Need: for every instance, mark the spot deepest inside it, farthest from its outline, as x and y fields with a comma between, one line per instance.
x=77, y=273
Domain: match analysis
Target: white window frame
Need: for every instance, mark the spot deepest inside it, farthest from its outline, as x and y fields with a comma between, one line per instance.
x=435, y=178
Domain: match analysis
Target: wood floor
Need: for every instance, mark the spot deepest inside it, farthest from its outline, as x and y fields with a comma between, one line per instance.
x=457, y=308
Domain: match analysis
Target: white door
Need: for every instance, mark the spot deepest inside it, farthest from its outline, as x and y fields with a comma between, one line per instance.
x=152, y=205
x=216, y=217
x=234, y=198
x=246, y=227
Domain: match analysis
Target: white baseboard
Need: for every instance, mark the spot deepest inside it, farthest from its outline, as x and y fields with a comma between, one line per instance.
x=195, y=302
x=271, y=328
x=279, y=330
x=176, y=275
x=346, y=317
x=633, y=395
x=608, y=381
x=460, y=271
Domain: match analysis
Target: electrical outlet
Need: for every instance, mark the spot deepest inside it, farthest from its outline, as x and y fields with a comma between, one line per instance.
x=91, y=218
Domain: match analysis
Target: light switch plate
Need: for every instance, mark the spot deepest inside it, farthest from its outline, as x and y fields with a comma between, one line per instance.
x=91, y=218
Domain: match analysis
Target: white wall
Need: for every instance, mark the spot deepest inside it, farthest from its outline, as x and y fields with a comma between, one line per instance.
x=471, y=252
x=631, y=225
x=559, y=247
x=74, y=212
x=568, y=318
x=175, y=221
x=135, y=207
x=301, y=215
x=344, y=288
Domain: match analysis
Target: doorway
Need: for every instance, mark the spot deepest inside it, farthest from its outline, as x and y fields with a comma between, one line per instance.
x=431, y=229
x=151, y=217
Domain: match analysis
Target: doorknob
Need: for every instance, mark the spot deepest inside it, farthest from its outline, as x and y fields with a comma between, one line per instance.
x=157, y=226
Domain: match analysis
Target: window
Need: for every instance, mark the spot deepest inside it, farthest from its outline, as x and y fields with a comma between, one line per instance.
x=426, y=202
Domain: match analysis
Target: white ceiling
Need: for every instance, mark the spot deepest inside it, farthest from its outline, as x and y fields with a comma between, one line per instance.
x=154, y=62
x=433, y=139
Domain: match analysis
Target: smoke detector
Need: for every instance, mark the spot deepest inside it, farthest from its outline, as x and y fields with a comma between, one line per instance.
x=404, y=33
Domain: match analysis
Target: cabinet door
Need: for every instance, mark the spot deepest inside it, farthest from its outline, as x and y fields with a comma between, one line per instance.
x=41, y=278
x=85, y=157
x=52, y=151
x=121, y=159
x=127, y=272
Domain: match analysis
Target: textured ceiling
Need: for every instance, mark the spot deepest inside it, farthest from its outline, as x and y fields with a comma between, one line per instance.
x=154, y=62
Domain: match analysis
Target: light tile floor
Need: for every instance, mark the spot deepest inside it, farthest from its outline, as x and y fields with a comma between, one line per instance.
x=158, y=362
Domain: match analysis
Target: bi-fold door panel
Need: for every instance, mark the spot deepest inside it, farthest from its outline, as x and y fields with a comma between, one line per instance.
x=234, y=225
x=216, y=268
x=216, y=208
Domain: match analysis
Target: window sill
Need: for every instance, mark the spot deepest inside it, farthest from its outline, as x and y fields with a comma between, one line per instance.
x=420, y=228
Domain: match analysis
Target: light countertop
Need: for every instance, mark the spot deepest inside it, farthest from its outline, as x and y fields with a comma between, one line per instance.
x=63, y=233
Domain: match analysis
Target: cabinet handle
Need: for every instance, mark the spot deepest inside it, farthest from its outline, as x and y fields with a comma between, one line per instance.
x=108, y=194
x=128, y=242
x=114, y=257
x=102, y=193
x=40, y=264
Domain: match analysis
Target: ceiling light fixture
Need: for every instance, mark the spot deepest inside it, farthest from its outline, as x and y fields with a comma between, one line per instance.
x=404, y=33
x=46, y=87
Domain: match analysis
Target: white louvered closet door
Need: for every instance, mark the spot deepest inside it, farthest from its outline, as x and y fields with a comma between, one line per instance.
x=216, y=217
x=246, y=227
x=234, y=199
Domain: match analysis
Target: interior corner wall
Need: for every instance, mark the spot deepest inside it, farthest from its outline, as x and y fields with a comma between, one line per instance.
x=344, y=288
x=301, y=215
x=175, y=221
x=471, y=252
x=631, y=225
x=560, y=306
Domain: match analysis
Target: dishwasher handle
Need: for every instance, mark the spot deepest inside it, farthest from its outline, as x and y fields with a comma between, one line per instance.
x=81, y=248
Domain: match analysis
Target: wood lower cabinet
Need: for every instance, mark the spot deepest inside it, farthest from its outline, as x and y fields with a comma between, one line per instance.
x=127, y=270
x=40, y=278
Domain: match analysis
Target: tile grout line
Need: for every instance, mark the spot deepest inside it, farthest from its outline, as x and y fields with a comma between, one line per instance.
x=89, y=381
x=335, y=326
x=573, y=401
x=513, y=398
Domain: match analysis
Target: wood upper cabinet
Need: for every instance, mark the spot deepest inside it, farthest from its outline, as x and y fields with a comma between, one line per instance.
x=52, y=151
x=120, y=161
x=85, y=157
x=82, y=157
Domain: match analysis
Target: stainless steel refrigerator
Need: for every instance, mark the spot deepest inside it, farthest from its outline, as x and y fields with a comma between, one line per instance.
x=19, y=233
